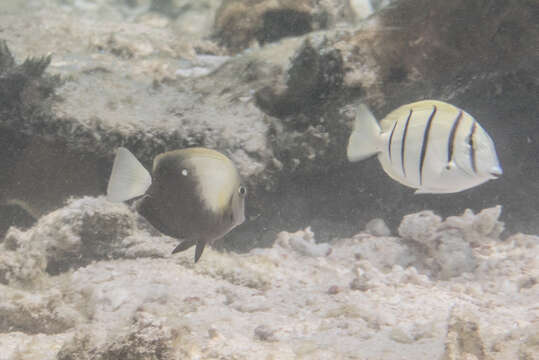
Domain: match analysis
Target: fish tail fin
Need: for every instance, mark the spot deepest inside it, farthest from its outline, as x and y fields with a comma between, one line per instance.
x=128, y=178
x=199, y=249
x=365, y=138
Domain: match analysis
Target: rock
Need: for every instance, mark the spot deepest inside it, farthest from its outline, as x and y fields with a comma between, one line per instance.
x=395, y=251
x=85, y=230
x=361, y=8
x=190, y=18
x=145, y=338
x=22, y=311
x=24, y=86
x=201, y=65
x=529, y=348
x=303, y=242
x=264, y=333
x=333, y=290
x=420, y=227
x=450, y=243
x=360, y=283
x=377, y=227
x=463, y=337
x=453, y=254
x=315, y=75
x=268, y=302
x=399, y=335
x=21, y=263
x=239, y=23
x=478, y=228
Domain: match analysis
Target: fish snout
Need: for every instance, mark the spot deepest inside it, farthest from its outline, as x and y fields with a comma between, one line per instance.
x=496, y=172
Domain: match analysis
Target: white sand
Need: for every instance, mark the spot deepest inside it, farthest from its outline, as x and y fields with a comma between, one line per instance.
x=442, y=289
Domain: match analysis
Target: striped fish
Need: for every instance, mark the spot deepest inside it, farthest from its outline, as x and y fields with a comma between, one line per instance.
x=428, y=145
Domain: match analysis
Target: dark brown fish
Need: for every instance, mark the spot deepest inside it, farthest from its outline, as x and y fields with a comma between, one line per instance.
x=196, y=194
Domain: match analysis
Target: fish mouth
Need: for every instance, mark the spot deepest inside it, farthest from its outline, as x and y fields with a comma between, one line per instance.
x=496, y=173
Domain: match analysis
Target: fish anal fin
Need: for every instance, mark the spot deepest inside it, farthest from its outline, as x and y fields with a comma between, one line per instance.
x=436, y=191
x=424, y=191
x=199, y=249
x=184, y=245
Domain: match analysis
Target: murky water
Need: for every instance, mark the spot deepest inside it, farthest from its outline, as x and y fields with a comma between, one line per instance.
x=275, y=86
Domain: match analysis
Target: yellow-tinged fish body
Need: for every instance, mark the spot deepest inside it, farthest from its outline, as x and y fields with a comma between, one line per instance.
x=428, y=145
x=194, y=194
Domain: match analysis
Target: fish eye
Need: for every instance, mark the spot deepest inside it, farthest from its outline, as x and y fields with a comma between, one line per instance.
x=242, y=190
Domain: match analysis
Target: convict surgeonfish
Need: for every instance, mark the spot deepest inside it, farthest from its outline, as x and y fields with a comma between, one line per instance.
x=194, y=194
x=428, y=145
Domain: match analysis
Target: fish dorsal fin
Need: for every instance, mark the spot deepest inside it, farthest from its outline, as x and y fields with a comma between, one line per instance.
x=128, y=178
x=365, y=138
x=429, y=104
x=191, y=153
x=402, y=111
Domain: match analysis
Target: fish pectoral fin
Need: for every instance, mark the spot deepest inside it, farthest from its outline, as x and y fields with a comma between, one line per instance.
x=128, y=178
x=452, y=167
x=448, y=168
x=184, y=245
x=199, y=249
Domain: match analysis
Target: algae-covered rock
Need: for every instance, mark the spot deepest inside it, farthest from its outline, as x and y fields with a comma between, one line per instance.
x=85, y=230
x=451, y=243
x=239, y=23
x=22, y=311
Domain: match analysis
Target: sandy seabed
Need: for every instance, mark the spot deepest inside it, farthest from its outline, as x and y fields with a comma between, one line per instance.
x=93, y=281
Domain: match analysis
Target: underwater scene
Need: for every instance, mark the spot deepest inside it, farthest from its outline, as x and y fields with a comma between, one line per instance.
x=269, y=179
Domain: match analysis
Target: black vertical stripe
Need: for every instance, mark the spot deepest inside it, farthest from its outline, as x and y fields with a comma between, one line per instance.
x=404, y=141
x=452, y=137
x=472, y=146
x=391, y=139
x=425, y=144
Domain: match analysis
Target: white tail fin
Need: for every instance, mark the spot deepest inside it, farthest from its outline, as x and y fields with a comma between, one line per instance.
x=128, y=178
x=365, y=138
